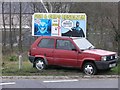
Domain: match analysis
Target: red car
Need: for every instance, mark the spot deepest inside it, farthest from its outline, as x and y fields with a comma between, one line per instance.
x=70, y=52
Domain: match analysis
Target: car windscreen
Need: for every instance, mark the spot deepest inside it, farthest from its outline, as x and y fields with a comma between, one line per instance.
x=83, y=43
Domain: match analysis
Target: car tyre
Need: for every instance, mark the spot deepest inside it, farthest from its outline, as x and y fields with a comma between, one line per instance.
x=89, y=68
x=40, y=64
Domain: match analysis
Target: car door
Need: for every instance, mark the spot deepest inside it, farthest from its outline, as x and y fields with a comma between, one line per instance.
x=46, y=48
x=65, y=54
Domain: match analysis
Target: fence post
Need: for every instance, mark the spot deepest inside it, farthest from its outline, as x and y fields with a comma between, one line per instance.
x=20, y=61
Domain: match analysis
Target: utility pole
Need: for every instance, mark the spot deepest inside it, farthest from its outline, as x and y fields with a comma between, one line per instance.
x=20, y=39
x=10, y=34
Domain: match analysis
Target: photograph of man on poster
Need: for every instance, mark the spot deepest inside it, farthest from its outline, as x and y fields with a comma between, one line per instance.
x=76, y=31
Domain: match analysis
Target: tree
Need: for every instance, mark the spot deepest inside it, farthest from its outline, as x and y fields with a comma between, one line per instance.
x=4, y=30
x=10, y=34
x=20, y=28
x=101, y=22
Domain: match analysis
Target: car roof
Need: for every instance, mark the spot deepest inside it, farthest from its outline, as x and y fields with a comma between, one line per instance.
x=56, y=37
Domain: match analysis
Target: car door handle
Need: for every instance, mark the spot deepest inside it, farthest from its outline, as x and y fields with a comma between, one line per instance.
x=44, y=54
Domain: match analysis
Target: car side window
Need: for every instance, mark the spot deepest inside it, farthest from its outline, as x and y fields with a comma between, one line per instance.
x=65, y=45
x=46, y=43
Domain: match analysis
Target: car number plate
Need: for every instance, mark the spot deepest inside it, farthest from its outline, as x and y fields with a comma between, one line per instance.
x=112, y=65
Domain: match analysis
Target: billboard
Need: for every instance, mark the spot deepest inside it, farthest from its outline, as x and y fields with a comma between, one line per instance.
x=59, y=24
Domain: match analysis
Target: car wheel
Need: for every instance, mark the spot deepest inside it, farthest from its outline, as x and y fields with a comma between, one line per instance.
x=89, y=68
x=40, y=64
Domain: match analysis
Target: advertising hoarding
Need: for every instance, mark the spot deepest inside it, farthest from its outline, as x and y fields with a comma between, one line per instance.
x=59, y=24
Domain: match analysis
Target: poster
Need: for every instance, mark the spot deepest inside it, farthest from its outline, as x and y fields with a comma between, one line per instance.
x=59, y=24
x=42, y=27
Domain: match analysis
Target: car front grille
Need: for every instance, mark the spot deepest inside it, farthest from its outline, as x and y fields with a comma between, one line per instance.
x=111, y=57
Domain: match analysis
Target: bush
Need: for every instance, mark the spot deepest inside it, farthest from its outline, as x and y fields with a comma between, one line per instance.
x=13, y=58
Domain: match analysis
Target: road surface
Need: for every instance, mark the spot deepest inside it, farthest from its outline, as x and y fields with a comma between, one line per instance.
x=65, y=83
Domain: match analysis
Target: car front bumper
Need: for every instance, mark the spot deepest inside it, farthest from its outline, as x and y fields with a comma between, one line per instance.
x=31, y=58
x=106, y=64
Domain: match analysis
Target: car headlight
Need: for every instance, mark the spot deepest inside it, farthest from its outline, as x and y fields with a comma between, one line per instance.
x=104, y=58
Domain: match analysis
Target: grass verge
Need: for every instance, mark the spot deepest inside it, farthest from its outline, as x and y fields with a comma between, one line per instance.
x=11, y=68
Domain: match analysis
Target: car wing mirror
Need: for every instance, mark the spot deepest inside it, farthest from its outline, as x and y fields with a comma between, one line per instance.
x=74, y=49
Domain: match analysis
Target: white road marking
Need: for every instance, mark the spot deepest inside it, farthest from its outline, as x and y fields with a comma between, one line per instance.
x=9, y=83
x=73, y=80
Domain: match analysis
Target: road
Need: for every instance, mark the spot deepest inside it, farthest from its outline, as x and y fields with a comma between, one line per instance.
x=73, y=83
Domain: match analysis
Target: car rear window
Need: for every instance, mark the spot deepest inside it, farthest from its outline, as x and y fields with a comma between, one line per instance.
x=46, y=43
